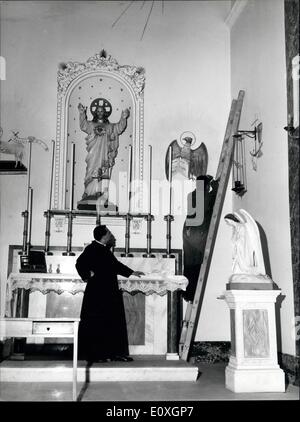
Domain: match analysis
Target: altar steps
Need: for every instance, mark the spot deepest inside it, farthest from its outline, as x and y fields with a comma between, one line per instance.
x=143, y=368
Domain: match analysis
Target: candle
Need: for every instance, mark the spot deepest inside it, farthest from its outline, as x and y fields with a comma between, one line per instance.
x=150, y=177
x=28, y=172
x=72, y=176
x=51, y=174
x=170, y=180
x=129, y=175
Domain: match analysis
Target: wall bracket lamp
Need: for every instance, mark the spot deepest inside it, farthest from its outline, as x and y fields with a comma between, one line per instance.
x=291, y=130
x=255, y=134
x=239, y=184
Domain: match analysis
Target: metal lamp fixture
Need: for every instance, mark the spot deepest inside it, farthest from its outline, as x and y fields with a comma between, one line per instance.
x=239, y=169
x=291, y=130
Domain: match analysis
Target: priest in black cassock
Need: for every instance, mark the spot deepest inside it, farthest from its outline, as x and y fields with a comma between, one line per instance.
x=102, y=331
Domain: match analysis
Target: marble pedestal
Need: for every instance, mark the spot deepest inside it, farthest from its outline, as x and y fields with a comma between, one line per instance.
x=253, y=365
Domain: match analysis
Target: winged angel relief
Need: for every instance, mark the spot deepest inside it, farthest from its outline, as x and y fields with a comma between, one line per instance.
x=191, y=163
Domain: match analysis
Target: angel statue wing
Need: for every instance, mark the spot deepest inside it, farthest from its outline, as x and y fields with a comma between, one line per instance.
x=199, y=161
x=176, y=154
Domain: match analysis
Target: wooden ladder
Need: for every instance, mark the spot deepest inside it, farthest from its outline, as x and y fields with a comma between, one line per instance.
x=193, y=310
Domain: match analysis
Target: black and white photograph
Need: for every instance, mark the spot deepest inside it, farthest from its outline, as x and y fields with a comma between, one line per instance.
x=149, y=205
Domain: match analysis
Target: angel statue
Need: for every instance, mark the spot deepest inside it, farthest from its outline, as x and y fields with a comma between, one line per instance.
x=185, y=160
x=248, y=261
x=102, y=143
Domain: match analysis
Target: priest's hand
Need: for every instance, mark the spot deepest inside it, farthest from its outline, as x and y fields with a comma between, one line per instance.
x=138, y=273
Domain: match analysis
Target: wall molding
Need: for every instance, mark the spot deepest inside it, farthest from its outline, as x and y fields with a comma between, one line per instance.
x=235, y=12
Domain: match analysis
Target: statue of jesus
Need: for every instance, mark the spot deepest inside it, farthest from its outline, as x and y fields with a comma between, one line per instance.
x=102, y=143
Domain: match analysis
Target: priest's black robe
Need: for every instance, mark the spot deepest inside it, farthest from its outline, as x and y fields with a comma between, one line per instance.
x=102, y=329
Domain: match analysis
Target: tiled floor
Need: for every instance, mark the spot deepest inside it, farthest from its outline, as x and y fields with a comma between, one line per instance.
x=210, y=386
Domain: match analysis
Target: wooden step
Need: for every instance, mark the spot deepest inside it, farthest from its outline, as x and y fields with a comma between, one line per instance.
x=143, y=368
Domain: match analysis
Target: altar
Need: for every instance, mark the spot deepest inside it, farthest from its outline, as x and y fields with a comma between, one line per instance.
x=151, y=301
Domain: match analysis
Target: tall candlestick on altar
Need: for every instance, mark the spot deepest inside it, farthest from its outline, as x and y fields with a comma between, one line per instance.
x=72, y=176
x=150, y=178
x=170, y=180
x=30, y=193
x=51, y=174
x=129, y=176
x=29, y=172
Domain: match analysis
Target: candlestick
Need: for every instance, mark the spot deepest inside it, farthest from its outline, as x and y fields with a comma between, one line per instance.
x=51, y=174
x=29, y=172
x=170, y=180
x=69, y=235
x=129, y=176
x=150, y=178
x=30, y=192
x=72, y=176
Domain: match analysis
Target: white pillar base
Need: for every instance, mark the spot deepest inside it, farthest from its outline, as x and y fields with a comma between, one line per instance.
x=172, y=356
x=255, y=380
x=253, y=364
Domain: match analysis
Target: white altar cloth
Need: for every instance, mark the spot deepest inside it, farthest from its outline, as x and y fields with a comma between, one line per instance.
x=151, y=283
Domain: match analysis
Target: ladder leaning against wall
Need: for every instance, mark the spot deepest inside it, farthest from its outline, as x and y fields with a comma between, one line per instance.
x=193, y=310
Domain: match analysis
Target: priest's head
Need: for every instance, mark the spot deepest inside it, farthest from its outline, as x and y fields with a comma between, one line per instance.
x=104, y=235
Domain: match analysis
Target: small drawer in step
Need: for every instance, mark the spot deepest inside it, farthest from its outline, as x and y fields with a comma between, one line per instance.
x=52, y=328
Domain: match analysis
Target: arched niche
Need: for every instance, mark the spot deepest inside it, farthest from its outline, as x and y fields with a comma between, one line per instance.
x=101, y=76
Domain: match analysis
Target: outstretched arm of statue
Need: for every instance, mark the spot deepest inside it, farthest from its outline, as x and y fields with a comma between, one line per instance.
x=125, y=114
x=81, y=108
x=121, y=125
x=83, y=122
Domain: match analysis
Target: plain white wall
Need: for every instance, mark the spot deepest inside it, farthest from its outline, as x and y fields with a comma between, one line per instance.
x=185, y=51
x=258, y=66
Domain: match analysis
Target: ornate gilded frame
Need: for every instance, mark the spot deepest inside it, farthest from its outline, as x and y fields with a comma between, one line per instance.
x=68, y=77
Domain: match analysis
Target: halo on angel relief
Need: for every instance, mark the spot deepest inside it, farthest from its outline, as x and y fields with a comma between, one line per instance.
x=100, y=111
